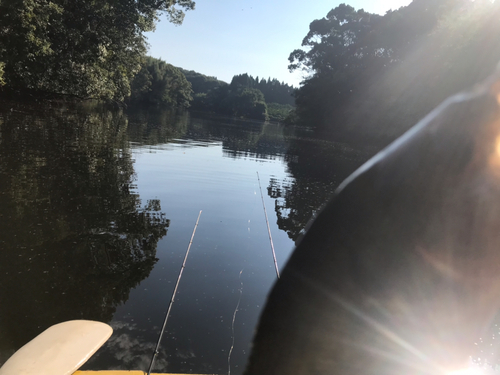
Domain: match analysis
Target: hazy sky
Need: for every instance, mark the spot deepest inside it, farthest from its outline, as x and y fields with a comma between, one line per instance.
x=223, y=38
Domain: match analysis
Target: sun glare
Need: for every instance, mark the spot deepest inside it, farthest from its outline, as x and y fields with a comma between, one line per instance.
x=467, y=371
x=470, y=371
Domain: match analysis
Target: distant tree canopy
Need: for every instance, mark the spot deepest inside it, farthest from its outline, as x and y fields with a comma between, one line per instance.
x=81, y=48
x=279, y=112
x=232, y=100
x=274, y=91
x=250, y=103
x=202, y=83
x=377, y=75
x=245, y=96
x=160, y=84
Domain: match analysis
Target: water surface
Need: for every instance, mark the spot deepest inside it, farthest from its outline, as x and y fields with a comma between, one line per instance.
x=97, y=209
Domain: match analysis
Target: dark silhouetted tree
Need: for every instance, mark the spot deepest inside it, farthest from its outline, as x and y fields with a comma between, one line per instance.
x=82, y=48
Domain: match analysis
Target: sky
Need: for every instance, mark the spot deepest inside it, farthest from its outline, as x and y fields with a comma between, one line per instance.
x=222, y=38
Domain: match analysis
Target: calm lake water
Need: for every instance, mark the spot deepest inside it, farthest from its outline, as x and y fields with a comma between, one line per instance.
x=97, y=209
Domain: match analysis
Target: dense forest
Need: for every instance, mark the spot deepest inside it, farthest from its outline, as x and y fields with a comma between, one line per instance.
x=245, y=96
x=160, y=84
x=84, y=49
x=371, y=77
x=368, y=77
x=97, y=50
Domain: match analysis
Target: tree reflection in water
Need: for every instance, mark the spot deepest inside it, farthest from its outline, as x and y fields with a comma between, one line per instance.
x=74, y=236
x=317, y=168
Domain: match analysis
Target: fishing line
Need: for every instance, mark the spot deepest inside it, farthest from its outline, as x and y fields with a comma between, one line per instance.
x=232, y=327
x=269, y=230
x=155, y=353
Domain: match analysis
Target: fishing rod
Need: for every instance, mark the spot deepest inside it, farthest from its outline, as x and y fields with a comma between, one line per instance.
x=269, y=230
x=232, y=327
x=155, y=353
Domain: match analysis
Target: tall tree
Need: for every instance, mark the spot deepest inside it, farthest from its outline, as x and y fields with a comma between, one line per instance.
x=341, y=38
x=383, y=73
x=78, y=47
x=338, y=50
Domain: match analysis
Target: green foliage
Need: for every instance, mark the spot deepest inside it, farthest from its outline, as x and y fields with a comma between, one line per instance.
x=201, y=83
x=234, y=101
x=174, y=14
x=82, y=48
x=340, y=49
x=219, y=100
x=292, y=118
x=244, y=97
x=201, y=102
x=248, y=102
x=339, y=40
x=374, y=76
x=274, y=91
x=161, y=84
x=278, y=112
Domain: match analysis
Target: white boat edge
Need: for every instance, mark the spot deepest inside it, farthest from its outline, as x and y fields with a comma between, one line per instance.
x=59, y=350
x=62, y=349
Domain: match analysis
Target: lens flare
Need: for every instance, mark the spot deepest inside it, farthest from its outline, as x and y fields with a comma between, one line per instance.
x=470, y=371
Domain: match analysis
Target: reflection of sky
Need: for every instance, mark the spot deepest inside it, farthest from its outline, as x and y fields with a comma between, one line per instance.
x=231, y=236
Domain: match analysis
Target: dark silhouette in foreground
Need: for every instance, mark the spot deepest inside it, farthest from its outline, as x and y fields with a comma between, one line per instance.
x=400, y=272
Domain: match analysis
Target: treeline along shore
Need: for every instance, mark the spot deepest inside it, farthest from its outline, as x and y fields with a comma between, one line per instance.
x=367, y=77
x=79, y=50
x=372, y=77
